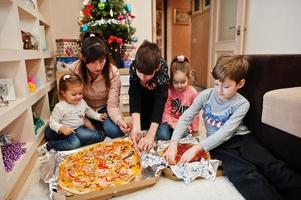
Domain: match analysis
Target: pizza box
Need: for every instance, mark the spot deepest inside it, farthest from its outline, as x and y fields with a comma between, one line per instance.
x=109, y=192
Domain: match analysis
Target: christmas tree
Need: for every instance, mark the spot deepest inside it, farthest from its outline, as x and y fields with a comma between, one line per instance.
x=111, y=18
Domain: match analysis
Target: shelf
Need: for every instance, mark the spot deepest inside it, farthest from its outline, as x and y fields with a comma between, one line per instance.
x=44, y=20
x=18, y=66
x=48, y=55
x=35, y=96
x=8, y=114
x=25, y=11
x=31, y=54
x=50, y=85
x=7, y=55
x=9, y=34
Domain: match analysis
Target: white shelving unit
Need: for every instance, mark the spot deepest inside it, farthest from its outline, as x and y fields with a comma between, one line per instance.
x=19, y=64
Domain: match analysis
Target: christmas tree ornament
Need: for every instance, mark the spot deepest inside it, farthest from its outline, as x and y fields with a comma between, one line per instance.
x=101, y=6
x=86, y=2
x=84, y=28
x=134, y=39
x=128, y=8
x=120, y=17
x=111, y=12
x=87, y=10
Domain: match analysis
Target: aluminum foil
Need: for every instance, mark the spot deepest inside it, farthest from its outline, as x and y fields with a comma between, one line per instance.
x=154, y=160
x=189, y=171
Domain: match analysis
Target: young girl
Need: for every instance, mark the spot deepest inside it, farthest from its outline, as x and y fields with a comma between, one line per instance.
x=148, y=93
x=66, y=129
x=180, y=97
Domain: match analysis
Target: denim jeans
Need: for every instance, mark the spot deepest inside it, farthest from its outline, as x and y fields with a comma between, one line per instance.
x=81, y=137
x=164, y=132
x=108, y=126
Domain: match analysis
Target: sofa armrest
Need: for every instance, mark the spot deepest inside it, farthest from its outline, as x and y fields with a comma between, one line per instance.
x=266, y=73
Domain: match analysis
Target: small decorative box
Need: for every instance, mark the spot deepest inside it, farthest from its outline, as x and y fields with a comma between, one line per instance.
x=67, y=47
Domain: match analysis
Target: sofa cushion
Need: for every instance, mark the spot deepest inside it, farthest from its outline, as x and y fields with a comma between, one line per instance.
x=282, y=110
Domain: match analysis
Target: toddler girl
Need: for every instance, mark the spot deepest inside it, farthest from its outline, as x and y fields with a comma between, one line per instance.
x=180, y=97
x=66, y=129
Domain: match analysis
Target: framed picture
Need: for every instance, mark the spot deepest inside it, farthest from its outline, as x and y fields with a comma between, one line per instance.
x=196, y=6
x=181, y=16
x=7, y=90
x=206, y=5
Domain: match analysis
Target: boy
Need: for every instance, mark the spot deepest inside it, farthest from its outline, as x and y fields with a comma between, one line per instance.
x=254, y=172
x=148, y=93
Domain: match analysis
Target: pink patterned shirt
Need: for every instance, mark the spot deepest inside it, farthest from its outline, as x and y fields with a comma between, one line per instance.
x=177, y=103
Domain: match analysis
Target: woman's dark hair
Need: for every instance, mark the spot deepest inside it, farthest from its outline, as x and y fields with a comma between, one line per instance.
x=93, y=48
x=147, y=58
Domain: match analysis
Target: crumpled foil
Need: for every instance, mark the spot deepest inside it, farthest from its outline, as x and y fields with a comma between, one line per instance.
x=190, y=171
x=154, y=160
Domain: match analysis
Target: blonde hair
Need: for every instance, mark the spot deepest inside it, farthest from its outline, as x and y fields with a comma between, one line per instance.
x=234, y=67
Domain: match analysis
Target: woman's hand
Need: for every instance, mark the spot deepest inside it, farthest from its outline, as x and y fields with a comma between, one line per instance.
x=103, y=116
x=190, y=153
x=66, y=130
x=146, y=143
x=124, y=126
x=171, y=152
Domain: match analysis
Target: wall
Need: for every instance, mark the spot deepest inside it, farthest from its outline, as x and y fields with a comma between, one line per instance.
x=66, y=12
x=199, y=47
x=178, y=36
x=273, y=27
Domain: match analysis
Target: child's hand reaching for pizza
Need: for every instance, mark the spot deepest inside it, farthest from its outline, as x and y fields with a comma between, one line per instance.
x=66, y=130
x=146, y=143
x=171, y=152
x=190, y=153
x=135, y=135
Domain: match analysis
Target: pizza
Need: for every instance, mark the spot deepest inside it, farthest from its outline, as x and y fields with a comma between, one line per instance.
x=100, y=166
x=182, y=147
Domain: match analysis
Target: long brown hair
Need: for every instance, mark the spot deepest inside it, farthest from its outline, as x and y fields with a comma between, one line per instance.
x=94, y=48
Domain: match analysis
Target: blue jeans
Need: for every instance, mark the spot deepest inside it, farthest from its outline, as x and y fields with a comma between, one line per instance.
x=81, y=137
x=164, y=132
x=108, y=126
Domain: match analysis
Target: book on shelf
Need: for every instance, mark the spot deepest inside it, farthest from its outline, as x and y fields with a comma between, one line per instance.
x=7, y=89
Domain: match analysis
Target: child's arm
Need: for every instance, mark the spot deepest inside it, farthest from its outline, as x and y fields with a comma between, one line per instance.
x=188, y=116
x=136, y=130
x=228, y=129
x=56, y=116
x=171, y=152
x=190, y=153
